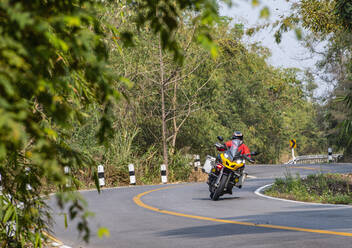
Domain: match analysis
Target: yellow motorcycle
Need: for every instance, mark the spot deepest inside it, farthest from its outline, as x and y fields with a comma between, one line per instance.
x=227, y=169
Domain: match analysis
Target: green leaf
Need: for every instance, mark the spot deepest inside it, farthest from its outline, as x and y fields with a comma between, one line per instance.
x=103, y=231
x=72, y=21
x=298, y=33
x=265, y=13
x=255, y=3
x=126, y=82
x=96, y=180
x=278, y=37
x=6, y=84
x=51, y=133
x=37, y=240
x=9, y=214
x=56, y=41
x=3, y=151
x=208, y=44
x=14, y=59
x=250, y=31
x=65, y=220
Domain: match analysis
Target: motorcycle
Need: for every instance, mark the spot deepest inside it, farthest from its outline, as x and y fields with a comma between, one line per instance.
x=227, y=170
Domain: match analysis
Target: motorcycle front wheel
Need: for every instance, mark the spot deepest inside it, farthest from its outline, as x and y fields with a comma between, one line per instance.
x=218, y=191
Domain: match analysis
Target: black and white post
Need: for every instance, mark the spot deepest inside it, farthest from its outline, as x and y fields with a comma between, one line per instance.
x=101, y=175
x=163, y=173
x=132, y=174
x=196, y=162
x=330, y=154
x=28, y=186
x=68, y=180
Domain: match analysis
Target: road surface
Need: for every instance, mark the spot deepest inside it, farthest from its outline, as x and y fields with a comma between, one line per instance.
x=182, y=215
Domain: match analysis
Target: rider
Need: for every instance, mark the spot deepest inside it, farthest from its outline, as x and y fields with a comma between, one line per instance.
x=242, y=148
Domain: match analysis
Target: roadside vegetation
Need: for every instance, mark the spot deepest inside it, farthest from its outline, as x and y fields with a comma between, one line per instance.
x=320, y=188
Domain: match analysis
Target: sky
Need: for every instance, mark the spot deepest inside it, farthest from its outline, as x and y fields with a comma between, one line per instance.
x=289, y=53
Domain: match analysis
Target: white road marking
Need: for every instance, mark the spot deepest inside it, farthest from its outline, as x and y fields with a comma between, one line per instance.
x=55, y=244
x=249, y=176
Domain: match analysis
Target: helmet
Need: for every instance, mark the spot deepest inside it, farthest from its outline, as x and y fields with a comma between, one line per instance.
x=237, y=135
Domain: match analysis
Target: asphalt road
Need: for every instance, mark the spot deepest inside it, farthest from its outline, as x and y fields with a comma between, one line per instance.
x=184, y=216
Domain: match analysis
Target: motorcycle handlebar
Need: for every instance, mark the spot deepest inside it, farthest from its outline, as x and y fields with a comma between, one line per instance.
x=248, y=158
x=222, y=147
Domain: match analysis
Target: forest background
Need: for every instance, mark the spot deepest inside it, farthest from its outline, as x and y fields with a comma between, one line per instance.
x=173, y=111
x=89, y=82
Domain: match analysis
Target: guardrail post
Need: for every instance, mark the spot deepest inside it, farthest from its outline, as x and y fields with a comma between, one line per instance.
x=67, y=172
x=132, y=174
x=163, y=173
x=293, y=156
x=101, y=175
x=329, y=154
x=28, y=186
x=196, y=162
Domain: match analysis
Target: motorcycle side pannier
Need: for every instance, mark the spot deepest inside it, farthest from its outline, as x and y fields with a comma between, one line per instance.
x=208, y=164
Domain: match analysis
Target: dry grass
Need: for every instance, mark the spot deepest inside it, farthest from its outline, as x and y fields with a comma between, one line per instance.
x=198, y=176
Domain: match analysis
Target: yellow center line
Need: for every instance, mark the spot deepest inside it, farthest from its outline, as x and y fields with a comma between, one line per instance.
x=307, y=168
x=139, y=202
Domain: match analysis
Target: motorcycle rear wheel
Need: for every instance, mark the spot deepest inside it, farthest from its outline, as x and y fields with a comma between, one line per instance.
x=219, y=190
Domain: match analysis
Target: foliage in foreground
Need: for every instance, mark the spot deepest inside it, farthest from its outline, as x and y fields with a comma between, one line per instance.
x=323, y=188
x=52, y=65
x=53, y=68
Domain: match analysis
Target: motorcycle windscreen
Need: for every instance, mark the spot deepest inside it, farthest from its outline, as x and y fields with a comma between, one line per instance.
x=234, y=148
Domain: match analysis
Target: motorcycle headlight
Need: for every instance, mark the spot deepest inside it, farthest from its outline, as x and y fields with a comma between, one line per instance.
x=239, y=161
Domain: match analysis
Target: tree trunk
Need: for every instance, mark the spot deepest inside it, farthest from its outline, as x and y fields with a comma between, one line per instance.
x=174, y=102
x=163, y=112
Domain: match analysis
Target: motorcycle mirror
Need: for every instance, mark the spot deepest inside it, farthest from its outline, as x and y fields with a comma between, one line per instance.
x=220, y=146
x=220, y=138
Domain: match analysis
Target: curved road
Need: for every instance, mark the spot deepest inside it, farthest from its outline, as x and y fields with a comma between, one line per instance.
x=183, y=216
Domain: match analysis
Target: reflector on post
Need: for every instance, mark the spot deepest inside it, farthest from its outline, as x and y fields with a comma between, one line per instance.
x=28, y=186
x=330, y=154
x=67, y=171
x=132, y=174
x=196, y=162
x=163, y=173
x=101, y=175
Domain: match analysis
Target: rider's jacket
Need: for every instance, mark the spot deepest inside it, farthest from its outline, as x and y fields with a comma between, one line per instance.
x=242, y=148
